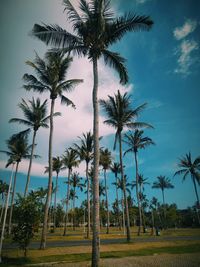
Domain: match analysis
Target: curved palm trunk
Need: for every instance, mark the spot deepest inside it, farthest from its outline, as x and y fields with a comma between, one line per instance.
x=117, y=197
x=128, y=233
x=54, y=212
x=30, y=164
x=195, y=188
x=67, y=203
x=88, y=201
x=12, y=200
x=45, y=222
x=108, y=215
x=2, y=209
x=5, y=213
x=137, y=193
x=95, y=189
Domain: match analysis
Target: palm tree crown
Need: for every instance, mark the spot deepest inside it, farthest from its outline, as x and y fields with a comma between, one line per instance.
x=51, y=73
x=94, y=31
x=187, y=166
x=35, y=114
x=120, y=113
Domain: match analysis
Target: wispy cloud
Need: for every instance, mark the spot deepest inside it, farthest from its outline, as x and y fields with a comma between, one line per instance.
x=186, y=58
x=141, y=1
x=188, y=27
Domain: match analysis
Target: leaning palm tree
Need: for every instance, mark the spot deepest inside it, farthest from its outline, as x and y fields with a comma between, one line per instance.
x=188, y=166
x=163, y=183
x=105, y=162
x=18, y=148
x=120, y=115
x=95, y=29
x=115, y=168
x=136, y=141
x=35, y=116
x=51, y=74
x=86, y=153
x=70, y=160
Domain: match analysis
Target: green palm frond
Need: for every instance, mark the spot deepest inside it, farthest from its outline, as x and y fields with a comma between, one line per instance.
x=66, y=101
x=117, y=62
x=71, y=12
x=54, y=35
x=127, y=23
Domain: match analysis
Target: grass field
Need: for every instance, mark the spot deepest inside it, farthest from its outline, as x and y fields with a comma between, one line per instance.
x=83, y=253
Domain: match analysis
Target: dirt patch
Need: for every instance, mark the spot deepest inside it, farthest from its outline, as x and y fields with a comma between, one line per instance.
x=166, y=260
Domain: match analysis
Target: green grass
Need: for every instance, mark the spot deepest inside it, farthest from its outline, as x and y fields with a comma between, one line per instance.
x=194, y=248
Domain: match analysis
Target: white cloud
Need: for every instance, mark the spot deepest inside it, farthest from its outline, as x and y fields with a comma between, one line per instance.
x=141, y=1
x=186, y=59
x=73, y=123
x=188, y=27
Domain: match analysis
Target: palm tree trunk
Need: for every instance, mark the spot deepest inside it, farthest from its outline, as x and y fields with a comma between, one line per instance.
x=137, y=193
x=95, y=239
x=88, y=201
x=5, y=213
x=123, y=215
x=195, y=188
x=54, y=212
x=74, y=209
x=67, y=203
x=128, y=233
x=117, y=197
x=44, y=229
x=12, y=200
x=108, y=215
x=153, y=222
x=30, y=164
x=2, y=209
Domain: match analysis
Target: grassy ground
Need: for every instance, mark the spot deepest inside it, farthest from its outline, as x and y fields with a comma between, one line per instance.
x=83, y=253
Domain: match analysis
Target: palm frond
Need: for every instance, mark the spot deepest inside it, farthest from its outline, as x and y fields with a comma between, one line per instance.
x=54, y=35
x=21, y=121
x=117, y=62
x=127, y=23
x=71, y=12
x=67, y=101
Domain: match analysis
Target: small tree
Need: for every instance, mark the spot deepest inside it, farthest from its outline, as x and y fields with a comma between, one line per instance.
x=28, y=210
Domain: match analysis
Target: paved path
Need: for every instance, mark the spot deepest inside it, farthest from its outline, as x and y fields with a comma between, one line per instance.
x=85, y=242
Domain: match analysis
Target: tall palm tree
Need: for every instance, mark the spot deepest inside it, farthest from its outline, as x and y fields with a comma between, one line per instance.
x=136, y=141
x=75, y=182
x=51, y=74
x=70, y=160
x=188, y=166
x=86, y=153
x=18, y=149
x=57, y=167
x=35, y=114
x=120, y=115
x=163, y=183
x=10, y=161
x=115, y=168
x=95, y=29
x=105, y=162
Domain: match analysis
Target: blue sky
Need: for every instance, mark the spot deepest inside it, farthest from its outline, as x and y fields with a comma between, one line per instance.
x=163, y=66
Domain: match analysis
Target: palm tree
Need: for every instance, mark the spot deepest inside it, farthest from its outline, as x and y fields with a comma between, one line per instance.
x=35, y=114
x=18, y=149
x=187, y=166
x=75, y=182
x=115, y=168
x=51, y=73
x=105, y=162
x=163, y=183
x=85, y=151
x=95, y=30
x=120, y=115
x=57, y=167
x=136, y=141
x=70, y=160
x=10, y=161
